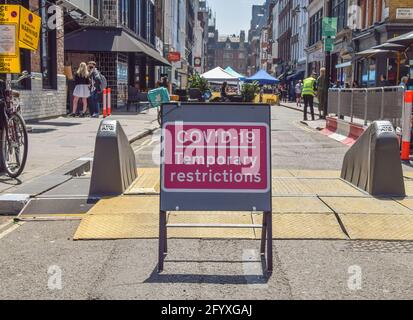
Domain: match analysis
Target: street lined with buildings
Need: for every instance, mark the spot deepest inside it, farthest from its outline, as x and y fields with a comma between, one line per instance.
x=231, y=268
x=206, y=178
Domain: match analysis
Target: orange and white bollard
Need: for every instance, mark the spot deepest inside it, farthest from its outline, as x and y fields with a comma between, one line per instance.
x=104, y=103
x=407, y=125
x=109, y=101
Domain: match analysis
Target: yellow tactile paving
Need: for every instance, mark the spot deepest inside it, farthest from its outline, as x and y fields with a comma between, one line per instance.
x=212, y=233
x=406, y=202
x=314, y=187
x=224, y=218
x=290, y=186
x=304, y=226
x=126, y=205
x=366, y=206
x=408, y=174
x=325, y=187
x=378, y=227
x=315, y=173
x=277, y=173
x=148, y=182
x=112, y=227
x=299, y=205
x=409, y=188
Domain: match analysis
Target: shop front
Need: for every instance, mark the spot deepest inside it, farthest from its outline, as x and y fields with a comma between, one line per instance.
x=121, y=57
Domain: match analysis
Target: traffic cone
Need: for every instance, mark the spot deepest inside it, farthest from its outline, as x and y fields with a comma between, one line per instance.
x=104, y=103
x=109, y=102
x=407, y=125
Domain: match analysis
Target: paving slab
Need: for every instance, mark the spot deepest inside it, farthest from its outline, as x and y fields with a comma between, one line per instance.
x=304, y=226
x=366, y=206
x=390, y=227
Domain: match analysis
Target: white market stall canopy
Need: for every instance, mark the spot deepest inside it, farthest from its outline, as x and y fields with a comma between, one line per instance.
x=219, y=75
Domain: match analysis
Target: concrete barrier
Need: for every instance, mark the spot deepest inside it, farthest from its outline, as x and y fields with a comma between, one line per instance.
x=373, y=162
x=114, y=164
x=342, y=131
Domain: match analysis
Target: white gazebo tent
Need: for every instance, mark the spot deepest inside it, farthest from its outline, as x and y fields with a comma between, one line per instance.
x=219, y=75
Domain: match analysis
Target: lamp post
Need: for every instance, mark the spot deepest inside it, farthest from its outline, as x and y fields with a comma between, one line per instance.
x=329, y=13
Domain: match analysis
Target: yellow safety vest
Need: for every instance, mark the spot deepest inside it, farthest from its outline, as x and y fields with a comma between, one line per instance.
x=308, y=87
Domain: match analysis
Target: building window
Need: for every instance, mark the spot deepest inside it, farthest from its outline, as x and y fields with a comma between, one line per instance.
x=124, y=6
x=316, y=27
x=340, y=11
x=48, y=46
x=138, y=18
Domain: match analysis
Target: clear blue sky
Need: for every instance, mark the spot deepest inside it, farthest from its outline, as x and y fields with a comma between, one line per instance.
x=233, y=15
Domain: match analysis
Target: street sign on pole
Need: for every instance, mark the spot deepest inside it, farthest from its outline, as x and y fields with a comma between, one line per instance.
x=328, y=44
x=216, y=157
x=329, y=27
x=30, y=25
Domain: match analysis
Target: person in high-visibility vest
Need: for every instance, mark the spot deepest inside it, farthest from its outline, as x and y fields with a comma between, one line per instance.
x=308, y=93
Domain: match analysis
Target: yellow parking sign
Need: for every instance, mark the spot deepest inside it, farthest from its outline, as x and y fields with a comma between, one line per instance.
x=30, y=25
x=9, y=39
x=10, y=64
x=9, y=14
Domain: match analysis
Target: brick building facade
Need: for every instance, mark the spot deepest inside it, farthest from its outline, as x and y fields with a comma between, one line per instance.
x=232, y=51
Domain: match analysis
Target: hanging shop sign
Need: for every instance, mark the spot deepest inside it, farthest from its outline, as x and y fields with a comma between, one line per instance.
x=174, y=56
x=197, y=62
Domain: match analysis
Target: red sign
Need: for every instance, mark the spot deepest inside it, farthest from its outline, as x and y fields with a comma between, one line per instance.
x=216, y=157
x=174, y=56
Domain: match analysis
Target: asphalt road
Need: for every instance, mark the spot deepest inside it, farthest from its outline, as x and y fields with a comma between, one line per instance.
x=40, y=260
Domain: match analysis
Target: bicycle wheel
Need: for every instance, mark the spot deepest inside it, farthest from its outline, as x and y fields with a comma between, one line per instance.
x=14, y=146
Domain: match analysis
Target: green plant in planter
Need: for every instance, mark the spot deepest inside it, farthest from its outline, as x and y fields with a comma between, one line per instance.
x=198, y=82
x=249, y=91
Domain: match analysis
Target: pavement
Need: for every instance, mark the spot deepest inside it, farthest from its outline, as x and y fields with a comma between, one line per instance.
x=61, y=148
x=40, y=260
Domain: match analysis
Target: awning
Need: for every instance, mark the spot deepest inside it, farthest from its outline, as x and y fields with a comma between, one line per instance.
x=371, y=52
x=344, y=65
x=219, y=75
x=390, y=46
x=405, y=39
x=111, y=40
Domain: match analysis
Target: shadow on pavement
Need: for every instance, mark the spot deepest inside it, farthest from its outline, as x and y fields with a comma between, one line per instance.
x=210, y=279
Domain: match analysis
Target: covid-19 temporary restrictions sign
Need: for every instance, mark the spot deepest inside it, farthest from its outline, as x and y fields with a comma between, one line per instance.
x=216, y=157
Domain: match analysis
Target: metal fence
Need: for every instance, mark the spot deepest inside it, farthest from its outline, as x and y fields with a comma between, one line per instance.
x=368, y=104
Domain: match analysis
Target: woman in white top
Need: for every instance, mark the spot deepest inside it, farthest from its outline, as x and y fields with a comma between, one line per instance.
x=82, y=90
x=298, y=91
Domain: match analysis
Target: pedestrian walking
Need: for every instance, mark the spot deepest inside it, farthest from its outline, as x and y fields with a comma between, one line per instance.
x=322, y=91
x=81, y=91
x=298, y=92
x=404, y=82
x=224, y=93
x=308, y=93
x=96, y=89
x=383, y=81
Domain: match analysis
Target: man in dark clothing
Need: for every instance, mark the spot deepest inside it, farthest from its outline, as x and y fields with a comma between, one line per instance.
x=96, y=90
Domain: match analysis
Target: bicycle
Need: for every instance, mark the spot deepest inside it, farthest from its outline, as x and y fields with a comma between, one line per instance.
x=14, y=137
